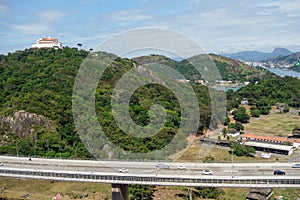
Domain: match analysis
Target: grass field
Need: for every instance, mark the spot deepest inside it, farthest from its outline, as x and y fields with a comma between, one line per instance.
x=43, y=189
x=197, y=153
x=273, y=124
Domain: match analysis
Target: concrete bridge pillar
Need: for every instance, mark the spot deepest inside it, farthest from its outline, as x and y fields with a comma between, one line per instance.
x=119, y=191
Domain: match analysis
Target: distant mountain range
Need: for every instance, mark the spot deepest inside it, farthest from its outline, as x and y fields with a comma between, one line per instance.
x=292, y=60
x=257, y=56
x=288, y=59
x=229, y=69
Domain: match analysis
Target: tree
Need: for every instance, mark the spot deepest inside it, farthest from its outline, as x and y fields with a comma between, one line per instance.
x=296, y=132
x=224, y=131
x=263, y=106
x=237, y=126
x=241, y=150
x=226, y=121
x=240, y=115
x=141, y=192
x=208, y=192
x=79, y=45
x=254, y=112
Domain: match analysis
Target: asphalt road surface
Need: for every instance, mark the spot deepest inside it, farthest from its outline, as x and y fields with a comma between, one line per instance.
x=193, y=169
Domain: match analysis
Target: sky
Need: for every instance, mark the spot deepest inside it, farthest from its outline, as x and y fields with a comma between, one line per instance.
x=218, y=26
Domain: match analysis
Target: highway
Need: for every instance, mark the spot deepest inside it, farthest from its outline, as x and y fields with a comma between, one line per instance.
x=224, y=174
x=219, y=169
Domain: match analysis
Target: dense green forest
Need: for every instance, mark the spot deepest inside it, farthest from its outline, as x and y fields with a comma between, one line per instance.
x=41, y=81
x=268, y=92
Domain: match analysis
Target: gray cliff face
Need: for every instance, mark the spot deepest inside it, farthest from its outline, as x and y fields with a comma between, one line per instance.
x=22, y=122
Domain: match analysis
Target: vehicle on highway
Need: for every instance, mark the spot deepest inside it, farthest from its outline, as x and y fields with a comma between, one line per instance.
x=181, y=167
x=279, y=172
x=162, y=166
x=296, y=166
x=1, y=164
x=123, y=170
x=207, y=172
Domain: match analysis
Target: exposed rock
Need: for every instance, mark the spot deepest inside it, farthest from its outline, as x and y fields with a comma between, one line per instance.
x=259, y=194
x=150, y=74
x=22, y=122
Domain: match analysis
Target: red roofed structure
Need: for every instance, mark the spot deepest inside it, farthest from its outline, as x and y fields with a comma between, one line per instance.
x=47, y=43
x=272, y=144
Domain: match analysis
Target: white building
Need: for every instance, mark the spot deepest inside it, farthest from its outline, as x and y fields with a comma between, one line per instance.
x=244, y=101
x=47, y=43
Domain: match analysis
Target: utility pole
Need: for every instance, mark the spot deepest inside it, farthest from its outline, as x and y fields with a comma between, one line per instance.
x=232, y=162
x=190, y=193
x=17, y=148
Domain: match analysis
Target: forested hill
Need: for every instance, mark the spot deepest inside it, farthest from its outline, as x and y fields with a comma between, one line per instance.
x=274, y=90
x=229, y=69
x=38, y=84
x=267, y=93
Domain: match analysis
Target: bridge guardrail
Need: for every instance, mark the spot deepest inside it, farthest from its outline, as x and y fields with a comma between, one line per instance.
x=271, y=182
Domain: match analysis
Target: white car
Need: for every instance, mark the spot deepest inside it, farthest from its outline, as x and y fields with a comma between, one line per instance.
x=162, y=166
x=207, y=172
x=123, y=170
x=181, y=167
x=296, y=166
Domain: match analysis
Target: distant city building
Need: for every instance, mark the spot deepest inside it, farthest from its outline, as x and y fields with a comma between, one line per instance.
x=47, y=43
x=255, y=64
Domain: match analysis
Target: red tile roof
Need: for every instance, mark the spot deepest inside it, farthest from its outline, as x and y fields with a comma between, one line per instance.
x=48, y=40
x=271, y=138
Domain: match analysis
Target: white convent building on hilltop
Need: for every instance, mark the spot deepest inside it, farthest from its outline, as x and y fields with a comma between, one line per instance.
x=47, y=43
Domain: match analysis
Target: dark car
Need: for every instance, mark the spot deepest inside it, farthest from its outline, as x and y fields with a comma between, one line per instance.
x=296, y=166
x=279, y=172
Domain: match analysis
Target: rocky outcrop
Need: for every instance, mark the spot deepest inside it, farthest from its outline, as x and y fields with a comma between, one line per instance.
x=22, y=122
x=143, y=70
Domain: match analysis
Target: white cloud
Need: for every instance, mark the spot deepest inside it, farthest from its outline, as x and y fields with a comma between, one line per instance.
x=42, y=25
x=32, y=28
x=241, y=25
x=3, y=8
x=130, y=15
x=52, y=15
x=290, y=8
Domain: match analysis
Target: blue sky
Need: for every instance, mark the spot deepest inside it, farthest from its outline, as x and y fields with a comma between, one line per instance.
x=218, y=26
